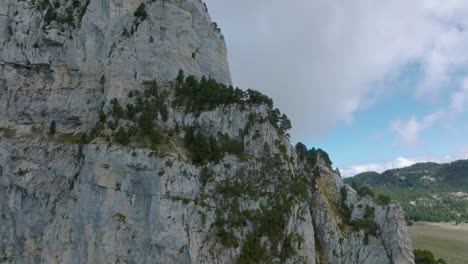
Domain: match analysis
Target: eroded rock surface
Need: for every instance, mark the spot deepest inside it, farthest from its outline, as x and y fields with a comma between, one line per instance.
x=72, y=192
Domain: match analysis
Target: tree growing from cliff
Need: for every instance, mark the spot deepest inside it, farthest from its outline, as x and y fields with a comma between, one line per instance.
x=301, y=151
x=324, y=155
x=140, y=12
x=146, y=121
x=117, y=110
x=383, y=199
x=285, y=123
x=180, y=77
x=122, y=137
x=52, y=128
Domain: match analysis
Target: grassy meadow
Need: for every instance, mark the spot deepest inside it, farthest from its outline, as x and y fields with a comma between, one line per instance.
x=445, y=240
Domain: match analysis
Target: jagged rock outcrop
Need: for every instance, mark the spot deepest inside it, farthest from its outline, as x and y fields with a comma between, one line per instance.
x=342, y=244
x=99, y=164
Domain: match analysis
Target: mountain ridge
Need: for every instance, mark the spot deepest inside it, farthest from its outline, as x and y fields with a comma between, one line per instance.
x=428, y=191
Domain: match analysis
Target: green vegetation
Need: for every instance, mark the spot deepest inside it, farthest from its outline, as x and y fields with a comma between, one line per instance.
x=447, y=241
x=8, y=132
x=102, y=117
x=140, y=122
x=427, y=191
x=325, y=157
x=426, y=257
x=267, y=180
x=140, y=116
x=367, y=222
x=383, y=199
x=52, y=128
x=207, y=94
x=50, y=16
x=122, y=137
x=208, y=149
x=311, y=156
x=253, y=251
x=70, y=14
x=126, y=33
x=72, y=138
x=364, y=191
x=264, y=183
x=67, y=18
x=135, y=125
x=82, y=10
x=369, y=212
x=201, y=148
x=354, y=186
x=21, y=172
x=120, y=217
x=140, y=12
x=346, y=210
x=206, y=175
x=140, y=15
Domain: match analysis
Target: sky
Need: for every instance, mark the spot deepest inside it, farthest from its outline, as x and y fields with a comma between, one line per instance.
x=378, y=84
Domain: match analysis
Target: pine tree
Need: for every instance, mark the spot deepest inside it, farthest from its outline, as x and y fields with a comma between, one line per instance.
x=52, y=128
x=180, y=77
x=122, y=137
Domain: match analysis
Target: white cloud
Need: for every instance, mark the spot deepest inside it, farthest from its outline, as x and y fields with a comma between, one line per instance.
x=409, y=131
x=446, y=55
x=459, y=99
x=442, y=61
x=377, y=167
x=319, y=59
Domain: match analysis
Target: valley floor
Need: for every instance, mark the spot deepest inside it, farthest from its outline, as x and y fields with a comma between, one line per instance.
x=445, y=240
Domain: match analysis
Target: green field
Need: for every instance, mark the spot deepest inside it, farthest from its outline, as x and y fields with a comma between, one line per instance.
x=445, y=240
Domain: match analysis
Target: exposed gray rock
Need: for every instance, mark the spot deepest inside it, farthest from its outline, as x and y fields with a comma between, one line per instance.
x=94, y=59
x=174, y=35
x=98, y=202
x=341, y=243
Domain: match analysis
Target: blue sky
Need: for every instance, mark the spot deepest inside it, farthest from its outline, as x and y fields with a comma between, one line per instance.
x=378, y=84
x=368, y=139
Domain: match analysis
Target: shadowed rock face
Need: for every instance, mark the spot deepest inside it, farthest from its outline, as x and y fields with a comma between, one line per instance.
x=101, y=202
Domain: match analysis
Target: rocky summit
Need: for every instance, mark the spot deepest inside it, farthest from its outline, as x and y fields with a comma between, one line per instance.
x=122, y=141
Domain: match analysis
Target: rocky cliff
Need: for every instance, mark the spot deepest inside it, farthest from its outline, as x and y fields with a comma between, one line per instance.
x=108, y=155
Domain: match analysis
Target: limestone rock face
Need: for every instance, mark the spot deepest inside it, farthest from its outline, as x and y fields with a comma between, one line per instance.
x=95, y=203
x=83, y=51
x=71, y=75
x=113, y=38
x=342, y=244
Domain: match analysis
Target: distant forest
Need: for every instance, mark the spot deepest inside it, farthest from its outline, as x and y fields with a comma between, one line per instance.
x=427, y=191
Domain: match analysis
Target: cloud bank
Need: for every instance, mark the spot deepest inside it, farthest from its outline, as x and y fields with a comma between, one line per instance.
x=321, y=61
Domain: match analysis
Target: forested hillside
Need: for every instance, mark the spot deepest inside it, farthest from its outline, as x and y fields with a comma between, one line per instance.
x=427, y=191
